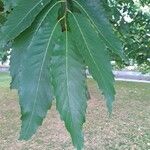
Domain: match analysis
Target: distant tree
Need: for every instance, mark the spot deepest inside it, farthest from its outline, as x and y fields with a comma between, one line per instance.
x=132, y=23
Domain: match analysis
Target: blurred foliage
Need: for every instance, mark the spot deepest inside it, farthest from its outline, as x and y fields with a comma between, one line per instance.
x=6, y=6
x=130, y=23
x=133, y=26
x=2, y=14
x=144, y=68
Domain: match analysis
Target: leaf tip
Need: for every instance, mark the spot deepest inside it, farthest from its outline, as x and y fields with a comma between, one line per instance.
x=22, y=137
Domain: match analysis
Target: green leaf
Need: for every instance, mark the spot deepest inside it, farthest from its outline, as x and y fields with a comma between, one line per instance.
x=21, y=17
x=95, y=55
x=70, y=88
x=35, y=88
x=94, y=11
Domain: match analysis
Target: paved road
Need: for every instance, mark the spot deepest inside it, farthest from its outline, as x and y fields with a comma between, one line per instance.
x=119, y=75
x=4, y=69
x=132, y=75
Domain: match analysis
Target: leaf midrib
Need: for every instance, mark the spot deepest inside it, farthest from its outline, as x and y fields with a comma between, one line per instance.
x=67, y=74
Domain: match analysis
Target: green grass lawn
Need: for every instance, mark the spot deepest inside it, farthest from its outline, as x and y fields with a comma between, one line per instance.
x=127, y=129
x=4, y=80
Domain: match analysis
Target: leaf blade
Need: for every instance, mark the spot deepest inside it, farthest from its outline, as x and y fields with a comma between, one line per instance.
x=96, y=57
x=36, y=91
x=70, y=87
